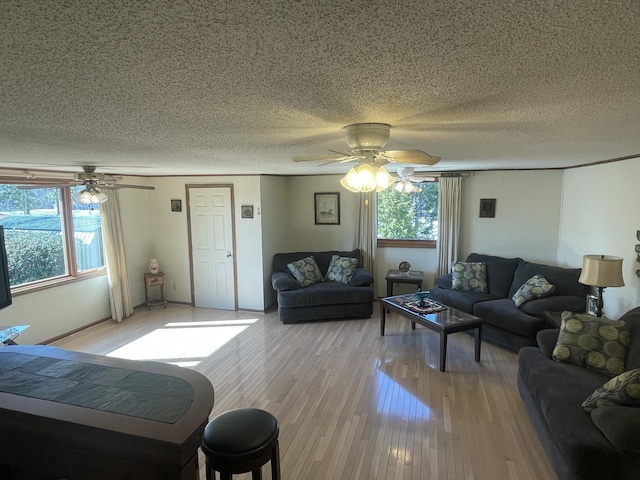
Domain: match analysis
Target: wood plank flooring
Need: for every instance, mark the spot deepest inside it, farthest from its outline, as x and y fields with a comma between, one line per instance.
x=351, y=404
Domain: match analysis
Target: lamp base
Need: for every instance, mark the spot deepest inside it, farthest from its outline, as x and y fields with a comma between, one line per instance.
x=600, y=303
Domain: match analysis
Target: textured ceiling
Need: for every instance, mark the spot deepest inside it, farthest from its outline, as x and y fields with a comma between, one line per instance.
x=235, y=87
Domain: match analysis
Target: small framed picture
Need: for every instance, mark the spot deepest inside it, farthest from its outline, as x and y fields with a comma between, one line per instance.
x=592, y=304
x=487, y=207
x=327, y=208
x=176, y=205
x=247, y=211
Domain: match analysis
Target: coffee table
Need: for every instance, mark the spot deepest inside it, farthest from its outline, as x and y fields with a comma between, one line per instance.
x=440, y=318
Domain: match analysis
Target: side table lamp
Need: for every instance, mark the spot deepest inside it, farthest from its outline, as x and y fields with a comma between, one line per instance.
x=601, y=271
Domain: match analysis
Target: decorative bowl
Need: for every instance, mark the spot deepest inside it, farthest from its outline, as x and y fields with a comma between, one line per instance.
x=422, y=295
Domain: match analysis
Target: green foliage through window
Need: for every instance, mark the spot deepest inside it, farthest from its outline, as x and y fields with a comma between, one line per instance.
x=408, y=216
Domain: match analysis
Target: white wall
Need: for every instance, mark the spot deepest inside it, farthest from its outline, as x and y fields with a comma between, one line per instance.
x=274, y=218
x=170, y=242
x=58, y=310
x=600, y=216
x=527, y=215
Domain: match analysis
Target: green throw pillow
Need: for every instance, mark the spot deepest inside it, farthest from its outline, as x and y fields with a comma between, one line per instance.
x=306, y=271
x=536, y=287
x=469, y=276
x=621, y=390
x=341, y=269
x=592, y=342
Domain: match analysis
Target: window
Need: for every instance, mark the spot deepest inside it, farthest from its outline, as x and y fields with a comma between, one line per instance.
x=408, y=219
x=38, y=224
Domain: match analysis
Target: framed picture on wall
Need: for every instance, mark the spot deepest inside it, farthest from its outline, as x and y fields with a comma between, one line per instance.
x=327, y=208
x=247, y=211
x=487, y=207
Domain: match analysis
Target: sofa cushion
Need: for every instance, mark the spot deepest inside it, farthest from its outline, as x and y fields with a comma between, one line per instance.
x=558, y=390
x=500, y=272
x=504, y=314
x=620, y=425
x=461, y=301
x=554, y=303
x=469, y=277
x=592, y=342
x=536, y=287
x=565, y=280
x=325, y=293
x=361, y=278
x=341, y=269
x=621, y=390
x=306, y=271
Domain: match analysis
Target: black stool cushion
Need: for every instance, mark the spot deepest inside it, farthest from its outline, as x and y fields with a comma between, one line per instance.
x=239, y=431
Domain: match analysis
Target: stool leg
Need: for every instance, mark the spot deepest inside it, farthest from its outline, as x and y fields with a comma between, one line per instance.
x=208, y=471
x=225, y=476
x=275, y=462
x=256, y=474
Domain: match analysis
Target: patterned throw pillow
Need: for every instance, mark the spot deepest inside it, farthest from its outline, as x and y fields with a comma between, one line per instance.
x=621, y=390
x=469, y=276
x=306, y=271
x=592, y=342
x=536, y=287
x=341, y=269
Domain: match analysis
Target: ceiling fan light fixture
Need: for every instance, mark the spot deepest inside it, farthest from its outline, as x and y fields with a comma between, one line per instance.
x=366, y=178
x=406, y=186
x=90, y=195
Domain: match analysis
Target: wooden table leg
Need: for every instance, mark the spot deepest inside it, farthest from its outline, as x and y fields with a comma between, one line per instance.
x=383, y=315
x=478, y=335
x=443, y=350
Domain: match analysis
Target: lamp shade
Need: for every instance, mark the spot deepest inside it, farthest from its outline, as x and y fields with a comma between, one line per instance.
x=601, y=271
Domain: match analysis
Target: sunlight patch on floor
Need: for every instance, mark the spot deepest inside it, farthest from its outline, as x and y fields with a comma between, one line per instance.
x=184, y=344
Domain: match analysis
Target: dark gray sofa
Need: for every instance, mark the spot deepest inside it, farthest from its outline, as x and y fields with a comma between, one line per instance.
x=506, y=324
x=601, y=445
x=323, y=300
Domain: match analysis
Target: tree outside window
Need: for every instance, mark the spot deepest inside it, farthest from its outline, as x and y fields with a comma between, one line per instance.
x=408, y=216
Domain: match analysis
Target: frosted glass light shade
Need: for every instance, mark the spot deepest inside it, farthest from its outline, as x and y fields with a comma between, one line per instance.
x=366, y=178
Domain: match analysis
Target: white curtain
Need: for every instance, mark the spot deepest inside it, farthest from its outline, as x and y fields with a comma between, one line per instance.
x=366, y=229
x=119, y=289
x=449, y=199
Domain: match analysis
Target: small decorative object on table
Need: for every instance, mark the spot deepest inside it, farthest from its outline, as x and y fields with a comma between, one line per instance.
x=422, y=295
x=404, y=267
x=154, y=266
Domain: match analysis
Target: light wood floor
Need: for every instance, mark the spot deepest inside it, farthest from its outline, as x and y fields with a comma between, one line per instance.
x=351, y=404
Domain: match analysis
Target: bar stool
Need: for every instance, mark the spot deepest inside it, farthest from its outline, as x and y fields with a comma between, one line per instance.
x=240, y=441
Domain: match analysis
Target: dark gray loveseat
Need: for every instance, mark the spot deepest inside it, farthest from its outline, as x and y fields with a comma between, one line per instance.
x=323, y=300
x=506, y=324
x=601, y=445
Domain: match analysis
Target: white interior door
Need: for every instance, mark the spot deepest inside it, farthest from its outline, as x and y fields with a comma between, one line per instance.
x=212, y=247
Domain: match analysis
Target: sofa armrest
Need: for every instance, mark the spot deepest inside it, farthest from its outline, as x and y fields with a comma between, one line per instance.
x=284, y=281
x=444, y=281
x=361, y=278
x=621, y=426
x=547, y=340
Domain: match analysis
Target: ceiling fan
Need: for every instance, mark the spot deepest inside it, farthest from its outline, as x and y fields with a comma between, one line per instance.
x=366, y=142
x=91, y=181
x=408, y=183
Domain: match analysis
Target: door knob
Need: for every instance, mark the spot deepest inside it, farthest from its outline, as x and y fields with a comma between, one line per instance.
x=228, y=254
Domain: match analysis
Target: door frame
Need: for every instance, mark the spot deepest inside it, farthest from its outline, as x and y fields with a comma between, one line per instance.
x=229, y=186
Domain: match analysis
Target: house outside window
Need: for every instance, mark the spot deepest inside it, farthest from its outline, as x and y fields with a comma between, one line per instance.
x=408, y=219
x=48, y=236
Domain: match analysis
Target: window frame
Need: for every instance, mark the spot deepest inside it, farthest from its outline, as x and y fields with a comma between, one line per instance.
x=72, y=275
x=404, y=243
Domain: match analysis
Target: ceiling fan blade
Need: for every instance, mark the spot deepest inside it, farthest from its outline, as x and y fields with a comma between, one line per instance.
x=410, y=156
x=316, y=158
x=47, y=185
x=117, y=186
